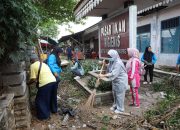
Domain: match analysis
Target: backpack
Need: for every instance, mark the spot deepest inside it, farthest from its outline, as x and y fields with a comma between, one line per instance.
x=142, y=70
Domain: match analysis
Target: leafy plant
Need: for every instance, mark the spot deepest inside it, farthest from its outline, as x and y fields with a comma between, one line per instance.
x=20, y=21
x=106, y=119
x=89, y=65
x=17, y=28
x=103, y=128
x=104, y=86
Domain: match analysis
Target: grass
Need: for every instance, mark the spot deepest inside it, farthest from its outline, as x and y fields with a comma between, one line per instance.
x=171, y=100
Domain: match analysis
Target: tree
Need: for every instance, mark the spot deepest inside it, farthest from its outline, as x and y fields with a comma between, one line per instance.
x=54, y=12
x=58, y=10
x=20, y=19
x=49, y=29
x=17, y=28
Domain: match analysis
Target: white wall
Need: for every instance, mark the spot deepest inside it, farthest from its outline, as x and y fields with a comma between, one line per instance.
x=155, y=21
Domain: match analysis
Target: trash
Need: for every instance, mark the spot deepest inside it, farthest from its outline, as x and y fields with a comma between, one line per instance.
x=162, y=95
x=84, y=125
x=66, y=118
x=72, y=101
x=73, y=127
x=58, y=97
x=51, y=127
x=71, y=112
x=115, y=117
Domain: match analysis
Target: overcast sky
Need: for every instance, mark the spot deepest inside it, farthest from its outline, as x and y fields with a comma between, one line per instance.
x=77, y=27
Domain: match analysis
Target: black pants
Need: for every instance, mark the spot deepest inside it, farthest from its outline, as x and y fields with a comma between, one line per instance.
x=46, y=100
x=149, y=69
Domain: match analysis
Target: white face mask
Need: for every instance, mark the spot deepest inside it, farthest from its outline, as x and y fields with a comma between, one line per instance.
x=111, y=59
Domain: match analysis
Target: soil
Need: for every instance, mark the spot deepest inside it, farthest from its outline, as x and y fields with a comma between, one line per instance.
x=97, y=118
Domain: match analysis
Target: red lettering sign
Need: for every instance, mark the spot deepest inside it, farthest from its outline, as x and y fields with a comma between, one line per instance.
x=114, y=34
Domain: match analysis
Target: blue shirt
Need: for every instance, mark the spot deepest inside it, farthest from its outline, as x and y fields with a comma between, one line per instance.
x=52, y=63
x=154, y=58
x=79, y=69
x=178, y=60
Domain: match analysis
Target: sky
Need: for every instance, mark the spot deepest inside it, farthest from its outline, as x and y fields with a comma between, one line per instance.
x=88, y=22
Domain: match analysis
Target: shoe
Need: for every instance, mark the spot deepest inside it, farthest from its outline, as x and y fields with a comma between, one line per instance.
x=136, y=106
x=131, y=105
x=113, y=108
x=77, y=77
x=145, y=82
x=150, y=83
x=118, y=112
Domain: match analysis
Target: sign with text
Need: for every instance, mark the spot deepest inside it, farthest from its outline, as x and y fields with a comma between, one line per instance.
x=114, y=33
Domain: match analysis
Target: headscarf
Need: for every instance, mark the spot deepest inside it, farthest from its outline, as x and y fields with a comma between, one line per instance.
x=133, y=53
x=148, y=55
x=55, y=51
x=114, y=54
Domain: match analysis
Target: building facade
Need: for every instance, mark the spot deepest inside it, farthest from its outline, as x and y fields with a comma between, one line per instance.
x=158, y=23
x=161, y=30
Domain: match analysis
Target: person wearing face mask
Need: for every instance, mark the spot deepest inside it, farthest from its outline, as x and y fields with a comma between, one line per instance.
x=117, y=73
x=133, y=66
x=77, y=69
x=54, y=62
x=149, y=59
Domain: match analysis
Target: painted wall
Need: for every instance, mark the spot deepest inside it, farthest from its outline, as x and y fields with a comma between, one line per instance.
x=155, y=21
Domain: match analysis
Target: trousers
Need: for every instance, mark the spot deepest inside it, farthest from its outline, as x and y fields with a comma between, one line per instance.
x=135, y=94
x=149, y=69
x=76, y=72
x=119, y=100
x=46, y=100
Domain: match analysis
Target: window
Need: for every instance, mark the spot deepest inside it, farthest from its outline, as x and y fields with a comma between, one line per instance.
x=143, y=37
x=170, y=35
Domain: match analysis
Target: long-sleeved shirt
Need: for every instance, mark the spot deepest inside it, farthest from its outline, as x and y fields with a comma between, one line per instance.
x=178, y=60
x=154, y=59
x=52, y=63
x=80, y=69
x=133, y=72
x=118, y=76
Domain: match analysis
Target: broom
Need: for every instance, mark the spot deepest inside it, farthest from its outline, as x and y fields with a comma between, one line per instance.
x=90, y=100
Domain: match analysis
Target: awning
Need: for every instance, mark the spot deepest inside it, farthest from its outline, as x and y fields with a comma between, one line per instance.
x=49, y=40
x=156, y=6
x=88, y=7
x=77, y=36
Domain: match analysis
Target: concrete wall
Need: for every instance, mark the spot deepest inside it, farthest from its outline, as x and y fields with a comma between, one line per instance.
x=155, y=21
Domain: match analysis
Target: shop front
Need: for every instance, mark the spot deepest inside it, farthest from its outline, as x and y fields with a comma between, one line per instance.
x=158, y=25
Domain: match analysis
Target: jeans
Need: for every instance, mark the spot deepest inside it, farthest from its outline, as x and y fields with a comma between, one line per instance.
x=76, y=72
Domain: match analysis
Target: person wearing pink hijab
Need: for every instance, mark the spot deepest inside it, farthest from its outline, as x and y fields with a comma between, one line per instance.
x=133, y=66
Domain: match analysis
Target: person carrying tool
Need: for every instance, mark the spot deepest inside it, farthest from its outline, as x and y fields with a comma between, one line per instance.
x=46, y=98
x=117, y=73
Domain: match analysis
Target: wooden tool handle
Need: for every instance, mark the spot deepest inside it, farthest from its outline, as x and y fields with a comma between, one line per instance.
x=102, y=68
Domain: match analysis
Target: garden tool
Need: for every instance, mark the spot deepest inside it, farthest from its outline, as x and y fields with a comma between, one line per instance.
x=90, y=100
